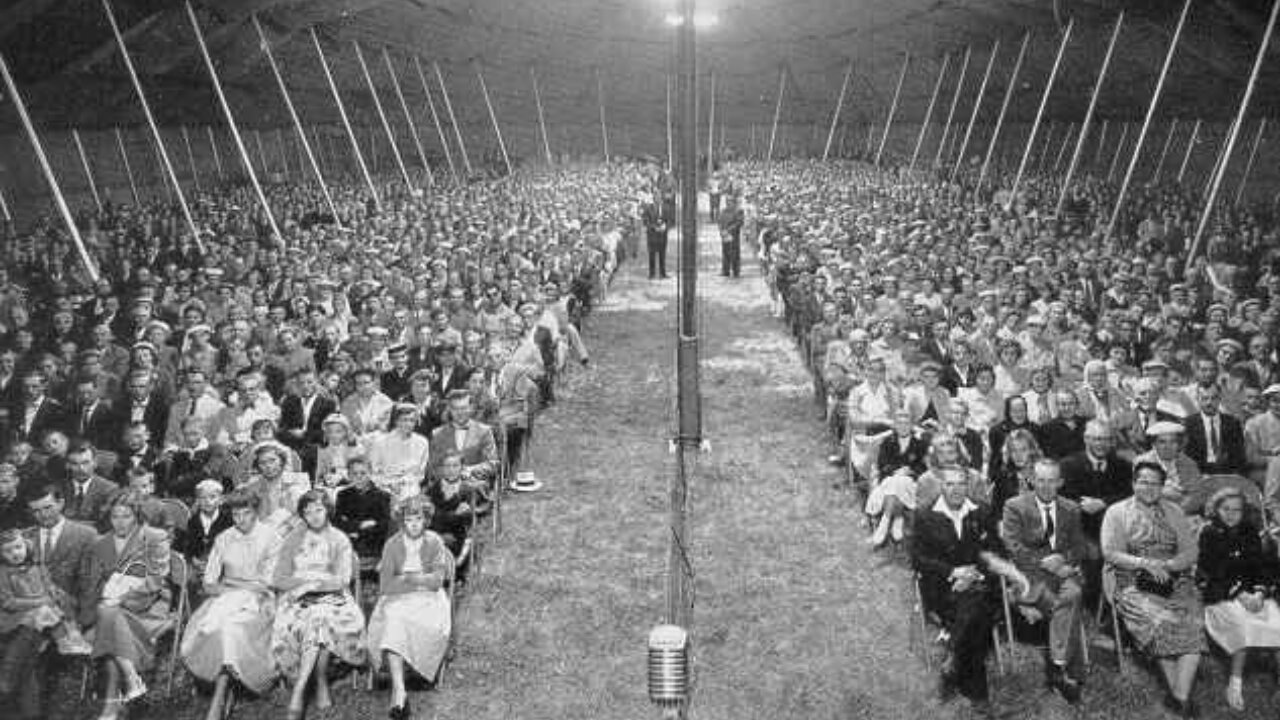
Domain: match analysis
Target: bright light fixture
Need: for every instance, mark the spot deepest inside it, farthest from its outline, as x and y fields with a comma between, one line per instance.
x=701, y=21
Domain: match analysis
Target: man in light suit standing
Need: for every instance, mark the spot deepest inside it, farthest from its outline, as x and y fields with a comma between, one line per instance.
x=1045, y=539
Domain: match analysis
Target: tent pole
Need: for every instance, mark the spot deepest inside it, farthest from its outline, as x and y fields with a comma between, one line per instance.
x=493, y=117
x=262, y=152
x=1115, y=159
x=1164, y=151
x=408, y=116
x=1048, y=145
x=893, y=108
x=1004, y=108
x=4, y=208
x=346, y=121
x=777, y=112
x=604, y=127
x=835, y=117
x=1102, y=143
x=231, y=121
x=435, y=118
x=977, y=105
x=191, y=158
x=63, y=209
x=542, y=119
x=1186, y=157
x=711, y=128
x=1218, y=158
x=151, y=123
x=1253, y=153
x=1066, y=143
x=1205, y=216
x=670, y=139
x=297, y=122
x=128, y=167
x=955, y=101
x=382, y=116
x=88, y=172
x=1044, y=102
x=928, y=114
x=1146, y=122
x=217, y=157
x=453, y=119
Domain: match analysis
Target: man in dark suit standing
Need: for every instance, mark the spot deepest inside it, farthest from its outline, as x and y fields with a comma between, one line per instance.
x=655, y=233
x=395, y=381
x=957, y=550
x=141, y=403
x=1215, y=440
x=302, y=417
x=1046, y=542
x=36, y=413
x=451, y=374
x=93, y=418
x=87, y=495
x=730, y=221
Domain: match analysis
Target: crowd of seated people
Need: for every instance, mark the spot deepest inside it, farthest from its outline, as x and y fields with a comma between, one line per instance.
x=1020, y=394
x=260, y=419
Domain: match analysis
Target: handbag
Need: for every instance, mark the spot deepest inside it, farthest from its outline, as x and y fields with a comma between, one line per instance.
x=1147, y=583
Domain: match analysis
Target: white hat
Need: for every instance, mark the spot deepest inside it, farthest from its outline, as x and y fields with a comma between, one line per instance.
x=1164, y=427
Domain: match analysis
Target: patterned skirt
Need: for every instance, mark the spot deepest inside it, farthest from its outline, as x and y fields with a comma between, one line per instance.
x=1160, y=626
x=334, y=623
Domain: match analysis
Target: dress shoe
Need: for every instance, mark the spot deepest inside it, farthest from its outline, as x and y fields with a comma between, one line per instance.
x=947, y=688
x=1064, y=685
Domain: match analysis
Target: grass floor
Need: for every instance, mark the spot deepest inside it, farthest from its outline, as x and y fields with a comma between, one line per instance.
x=794, y=617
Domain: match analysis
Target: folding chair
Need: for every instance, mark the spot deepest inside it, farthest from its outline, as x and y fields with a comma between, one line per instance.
x=1008, y=623
x=1107, y=601
x=450, y=574
x=361, y=566
x=925, y=618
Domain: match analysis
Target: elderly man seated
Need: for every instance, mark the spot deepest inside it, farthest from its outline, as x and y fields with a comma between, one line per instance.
x=958, y=554
x=1046, y=542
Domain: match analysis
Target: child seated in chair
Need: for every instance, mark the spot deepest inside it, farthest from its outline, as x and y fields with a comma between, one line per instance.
x=32, y=611
x=450, y=496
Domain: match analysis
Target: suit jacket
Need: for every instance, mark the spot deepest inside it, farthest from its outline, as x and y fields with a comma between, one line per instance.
x=1023, y=531
x=892, y=456
x=66, y=562
x=195, y=541
x=1231, y=454
x=291, y=419
x=50, y=416
x=102, y=427
x=124, y=462
x=92, y=508
x=478, y=449
x=457, y=380
x=1081, y=479
x=155, y=415
x=938, y=550
x=1058, y=439
x=1131, y=434
x=145, y=555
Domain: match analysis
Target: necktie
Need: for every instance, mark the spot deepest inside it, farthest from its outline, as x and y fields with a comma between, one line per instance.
x=1044, y=407
x=84, y=420
x=1048, y=524
x=48, y=546
x=1212, y=454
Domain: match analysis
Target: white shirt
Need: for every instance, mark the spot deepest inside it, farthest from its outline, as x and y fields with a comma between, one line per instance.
x=49, y=537
x=955, y=516
x=1047, y=511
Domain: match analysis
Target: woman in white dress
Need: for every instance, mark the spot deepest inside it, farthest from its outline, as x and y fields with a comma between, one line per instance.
x=399, y=457
x=413, y=619
x=229, y=636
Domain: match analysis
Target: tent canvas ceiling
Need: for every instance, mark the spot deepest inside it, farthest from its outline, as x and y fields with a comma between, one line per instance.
x=71, y=74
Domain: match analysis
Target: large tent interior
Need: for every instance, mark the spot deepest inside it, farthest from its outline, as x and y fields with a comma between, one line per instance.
x=603, y=70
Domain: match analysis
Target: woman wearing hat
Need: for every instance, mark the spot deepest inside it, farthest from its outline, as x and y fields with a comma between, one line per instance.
x=1183, y=482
